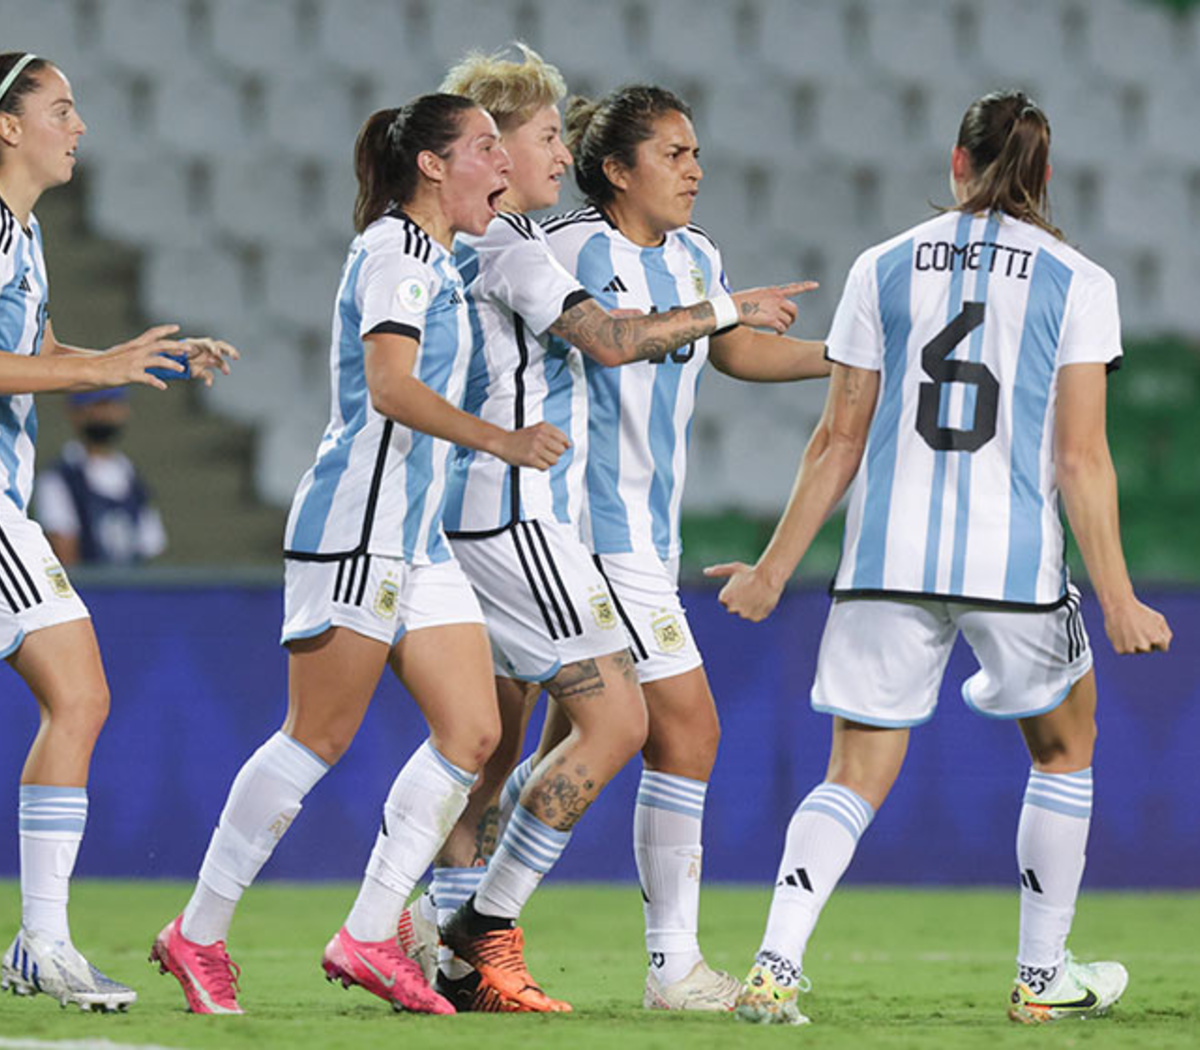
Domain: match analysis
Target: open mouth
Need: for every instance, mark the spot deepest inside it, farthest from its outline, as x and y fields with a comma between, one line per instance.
x=494, y=199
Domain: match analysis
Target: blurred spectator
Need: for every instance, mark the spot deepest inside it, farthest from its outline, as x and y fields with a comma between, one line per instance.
x=92, y=502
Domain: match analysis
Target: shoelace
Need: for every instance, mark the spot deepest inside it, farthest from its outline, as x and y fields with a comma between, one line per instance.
x=221, y=970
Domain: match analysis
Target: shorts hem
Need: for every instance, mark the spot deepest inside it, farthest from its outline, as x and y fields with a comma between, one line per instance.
x=539, y=677
x=1005, y=716
x=14, y=647
x=668, y=672
x=305, y=632
x=870, y=720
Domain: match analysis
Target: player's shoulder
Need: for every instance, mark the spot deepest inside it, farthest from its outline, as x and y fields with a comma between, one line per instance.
x=1083, y=270
x=395, y=233
x=693, y=234
x=8, y=228
x=578, y=223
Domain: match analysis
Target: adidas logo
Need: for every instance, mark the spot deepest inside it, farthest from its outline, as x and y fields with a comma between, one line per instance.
x=798, y=878
x=1030, y=881
x=615, y=285
x=24, y=285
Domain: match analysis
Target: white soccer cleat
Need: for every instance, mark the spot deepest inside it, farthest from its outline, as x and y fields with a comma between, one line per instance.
x=418, y=936
x=771, y=992
x=1073, y=989
x=34, y=964
x=702, y=989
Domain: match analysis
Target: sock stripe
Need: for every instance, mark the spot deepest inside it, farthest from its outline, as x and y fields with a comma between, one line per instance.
x=452, y=886
x=1067, y=793
x=534, y=844
x=850, y=810
x=461, y=776
x=674, y=793
x=46, y=809
x=304, y=754
x=517, y=780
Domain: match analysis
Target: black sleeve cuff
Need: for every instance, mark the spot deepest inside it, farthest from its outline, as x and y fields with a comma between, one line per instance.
x=580, y=295
x=396, y=328
x=1114, y=364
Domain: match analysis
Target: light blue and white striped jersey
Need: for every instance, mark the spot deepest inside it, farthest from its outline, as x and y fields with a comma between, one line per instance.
x=24, y=298
x=640, y=414
x=520, y=375
x=968, y=319
x=377, y=486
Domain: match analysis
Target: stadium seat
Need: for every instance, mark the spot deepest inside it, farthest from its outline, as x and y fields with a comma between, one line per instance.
x=195, y=287
x=865, y=121
x=609, y=58
x=746, y=116
x=1028, y=41
x=287, y=448
x=258, y=38
x=265, y=200
x=1170, y=98
x=312, y=118
x=1086, y=118
x=300, y=288
x=1120, y=34
x=457, y=26
x=806, y=40
x=684, y=37
x=201, y=114
x=148, y=204
x=909, y=194
x=1143, y=206
x=127, y=32
x=359, y=36
x=917, y=39
x=50, y=28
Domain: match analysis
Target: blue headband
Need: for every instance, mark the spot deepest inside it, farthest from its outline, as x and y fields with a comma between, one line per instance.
x=15, y=72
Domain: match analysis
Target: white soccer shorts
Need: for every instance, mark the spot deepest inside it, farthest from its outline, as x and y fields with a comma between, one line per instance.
x=377, y=597
x=646, y=592
x=546, y=604
x=881, y=661
x=34, y=589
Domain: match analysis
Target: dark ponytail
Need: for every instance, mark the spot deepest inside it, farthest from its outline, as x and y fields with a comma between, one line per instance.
x=1007, y=137
x=614, y=127
x=387, y=147
x=25, y=82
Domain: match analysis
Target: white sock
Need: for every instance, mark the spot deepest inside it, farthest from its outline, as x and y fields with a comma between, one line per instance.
x=265, y=797
x=821, y=839
x=1051, y=843
x=50, y=822
x=666, y=844
x=426, y=798
x=527, y=851
x=451, y=887
x=510, y=794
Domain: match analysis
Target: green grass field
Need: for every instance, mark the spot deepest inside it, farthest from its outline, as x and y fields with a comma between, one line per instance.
x=890, y=968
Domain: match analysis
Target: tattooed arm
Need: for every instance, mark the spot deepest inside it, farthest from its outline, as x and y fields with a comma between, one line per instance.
x=829, y=465
x=619, y=340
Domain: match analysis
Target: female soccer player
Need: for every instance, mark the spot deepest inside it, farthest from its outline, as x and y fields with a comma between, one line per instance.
x=548, y=609
x=633, y=247
x=45, y=633
x=970, y=357
x=370, y=579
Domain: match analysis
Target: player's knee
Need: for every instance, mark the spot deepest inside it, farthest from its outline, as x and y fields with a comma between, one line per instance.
x=85, y=712
x=472, y=740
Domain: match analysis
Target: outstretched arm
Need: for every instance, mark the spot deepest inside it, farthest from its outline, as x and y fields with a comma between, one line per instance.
x=613, y=340
x=830, y=462
x=1088, y=483
x=765, y=357
x=60, y=367
x=400, y=395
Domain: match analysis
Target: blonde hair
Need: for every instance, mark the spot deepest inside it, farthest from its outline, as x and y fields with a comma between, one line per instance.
x=511, y=91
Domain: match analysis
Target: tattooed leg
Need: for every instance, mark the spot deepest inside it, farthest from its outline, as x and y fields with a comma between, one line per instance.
x=603, y=701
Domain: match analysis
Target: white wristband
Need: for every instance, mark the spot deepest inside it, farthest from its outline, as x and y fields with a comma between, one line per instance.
x=725, y=311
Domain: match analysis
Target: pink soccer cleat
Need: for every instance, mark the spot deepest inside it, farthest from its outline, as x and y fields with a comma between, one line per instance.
x=382, y=968
x=208, y=976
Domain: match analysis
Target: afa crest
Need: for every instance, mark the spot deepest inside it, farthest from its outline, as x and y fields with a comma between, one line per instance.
x=385, y=600
x=698, y=281
x=59, y=583
x=602, y=610
x=668, y=632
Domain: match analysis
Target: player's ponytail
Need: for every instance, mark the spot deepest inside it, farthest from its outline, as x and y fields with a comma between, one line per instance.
x=387, y=147
x=614, y=127
x=1007, y=137
x=15, y=87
